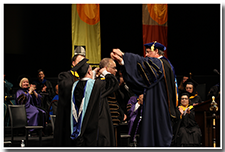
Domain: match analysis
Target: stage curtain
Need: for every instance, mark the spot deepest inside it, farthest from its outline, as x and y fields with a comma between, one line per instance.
x=86, y=30
x=154, y=24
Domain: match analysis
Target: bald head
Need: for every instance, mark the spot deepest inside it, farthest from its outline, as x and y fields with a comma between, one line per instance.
x=109, y=64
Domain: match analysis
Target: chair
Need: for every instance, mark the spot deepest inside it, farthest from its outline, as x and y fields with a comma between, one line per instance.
x=53, y=117
x=18, y=118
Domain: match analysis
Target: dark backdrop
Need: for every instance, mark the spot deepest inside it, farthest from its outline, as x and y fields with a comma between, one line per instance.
x=39, y=36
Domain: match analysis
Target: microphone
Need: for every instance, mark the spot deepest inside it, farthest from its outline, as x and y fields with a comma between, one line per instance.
x=216, y=71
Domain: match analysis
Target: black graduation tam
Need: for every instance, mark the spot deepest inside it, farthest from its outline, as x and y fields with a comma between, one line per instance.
x=155, y=45
x=190, y=81
x=81, y=68
x=184, y=92
x=186, y=74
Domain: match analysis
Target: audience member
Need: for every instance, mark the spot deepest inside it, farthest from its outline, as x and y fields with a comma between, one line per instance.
x=214, y=91
x=181, y=86
x=190, y=86
x=28, y=96
x=54, y=102
x=187, y=131
x=125, y=90
x=53, y=105
x=45, y=89
x=134, y=110
x=9, y=100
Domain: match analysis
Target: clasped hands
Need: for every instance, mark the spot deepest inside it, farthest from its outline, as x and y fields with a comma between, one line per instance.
x=117, y=55
x=182, y=112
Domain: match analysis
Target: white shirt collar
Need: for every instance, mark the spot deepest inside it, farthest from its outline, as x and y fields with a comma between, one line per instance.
x=85, y=79
x=160, y=57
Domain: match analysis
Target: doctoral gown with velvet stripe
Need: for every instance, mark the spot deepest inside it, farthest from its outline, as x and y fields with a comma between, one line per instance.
x=154, y=78
x=31, y=110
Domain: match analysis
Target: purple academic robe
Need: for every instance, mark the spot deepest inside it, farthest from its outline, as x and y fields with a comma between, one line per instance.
x=132, y=116
x=31, y=110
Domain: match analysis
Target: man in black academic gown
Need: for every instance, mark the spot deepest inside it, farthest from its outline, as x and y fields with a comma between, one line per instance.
x=154, y=76
x=114, y=99
x=62, y=127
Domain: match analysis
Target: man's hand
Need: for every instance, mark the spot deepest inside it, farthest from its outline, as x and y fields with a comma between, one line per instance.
x=118, y=52
x=181, y=110
x=116, y=57
x=125, y=117
x=101, y=70
x=32, y=87
x=44, y=88
x=78, y=59
x=96, y=70
x=188, y=111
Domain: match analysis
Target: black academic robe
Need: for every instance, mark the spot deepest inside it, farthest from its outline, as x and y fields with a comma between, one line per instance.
x=105, y=124
x=195, y=99
x=187, y=131
x=62, y=123
x=153, y=77
x=46, y=96
x=103, y=135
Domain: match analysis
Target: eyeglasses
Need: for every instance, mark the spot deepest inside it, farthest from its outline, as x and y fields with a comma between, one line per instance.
x=113, y=68
x=184, y=98
x=189, y=88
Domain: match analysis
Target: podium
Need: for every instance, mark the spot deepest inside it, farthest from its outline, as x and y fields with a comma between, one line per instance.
x=209, y=122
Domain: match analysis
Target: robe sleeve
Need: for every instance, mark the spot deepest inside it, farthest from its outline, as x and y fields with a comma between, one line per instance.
x=141, y=72
x=18, y=93
x=51, y=89
x=38, y=99
x=132, y=102
x=189, y=119
x=109, y=85
x=65, y=82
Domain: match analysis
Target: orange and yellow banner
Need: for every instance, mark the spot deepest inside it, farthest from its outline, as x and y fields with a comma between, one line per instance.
x=154, y=23
x=86, y=30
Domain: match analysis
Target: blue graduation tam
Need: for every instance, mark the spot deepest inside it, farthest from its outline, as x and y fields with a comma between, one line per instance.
x=155, y=45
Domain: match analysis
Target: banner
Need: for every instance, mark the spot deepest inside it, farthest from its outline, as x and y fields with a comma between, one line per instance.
x=154, y=24
x=86, y=30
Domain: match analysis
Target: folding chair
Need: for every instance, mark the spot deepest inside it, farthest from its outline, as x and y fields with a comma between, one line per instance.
x=18, y=118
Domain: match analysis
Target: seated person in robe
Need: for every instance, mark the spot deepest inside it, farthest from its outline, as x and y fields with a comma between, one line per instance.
x=9, y=100
x=56, y=98
x=214, y=91
x=190, y=86
x=134, y=111
x=35, y=116
x=187, y=131
x=53, y=106
x=181, y=85
x=45, y=89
